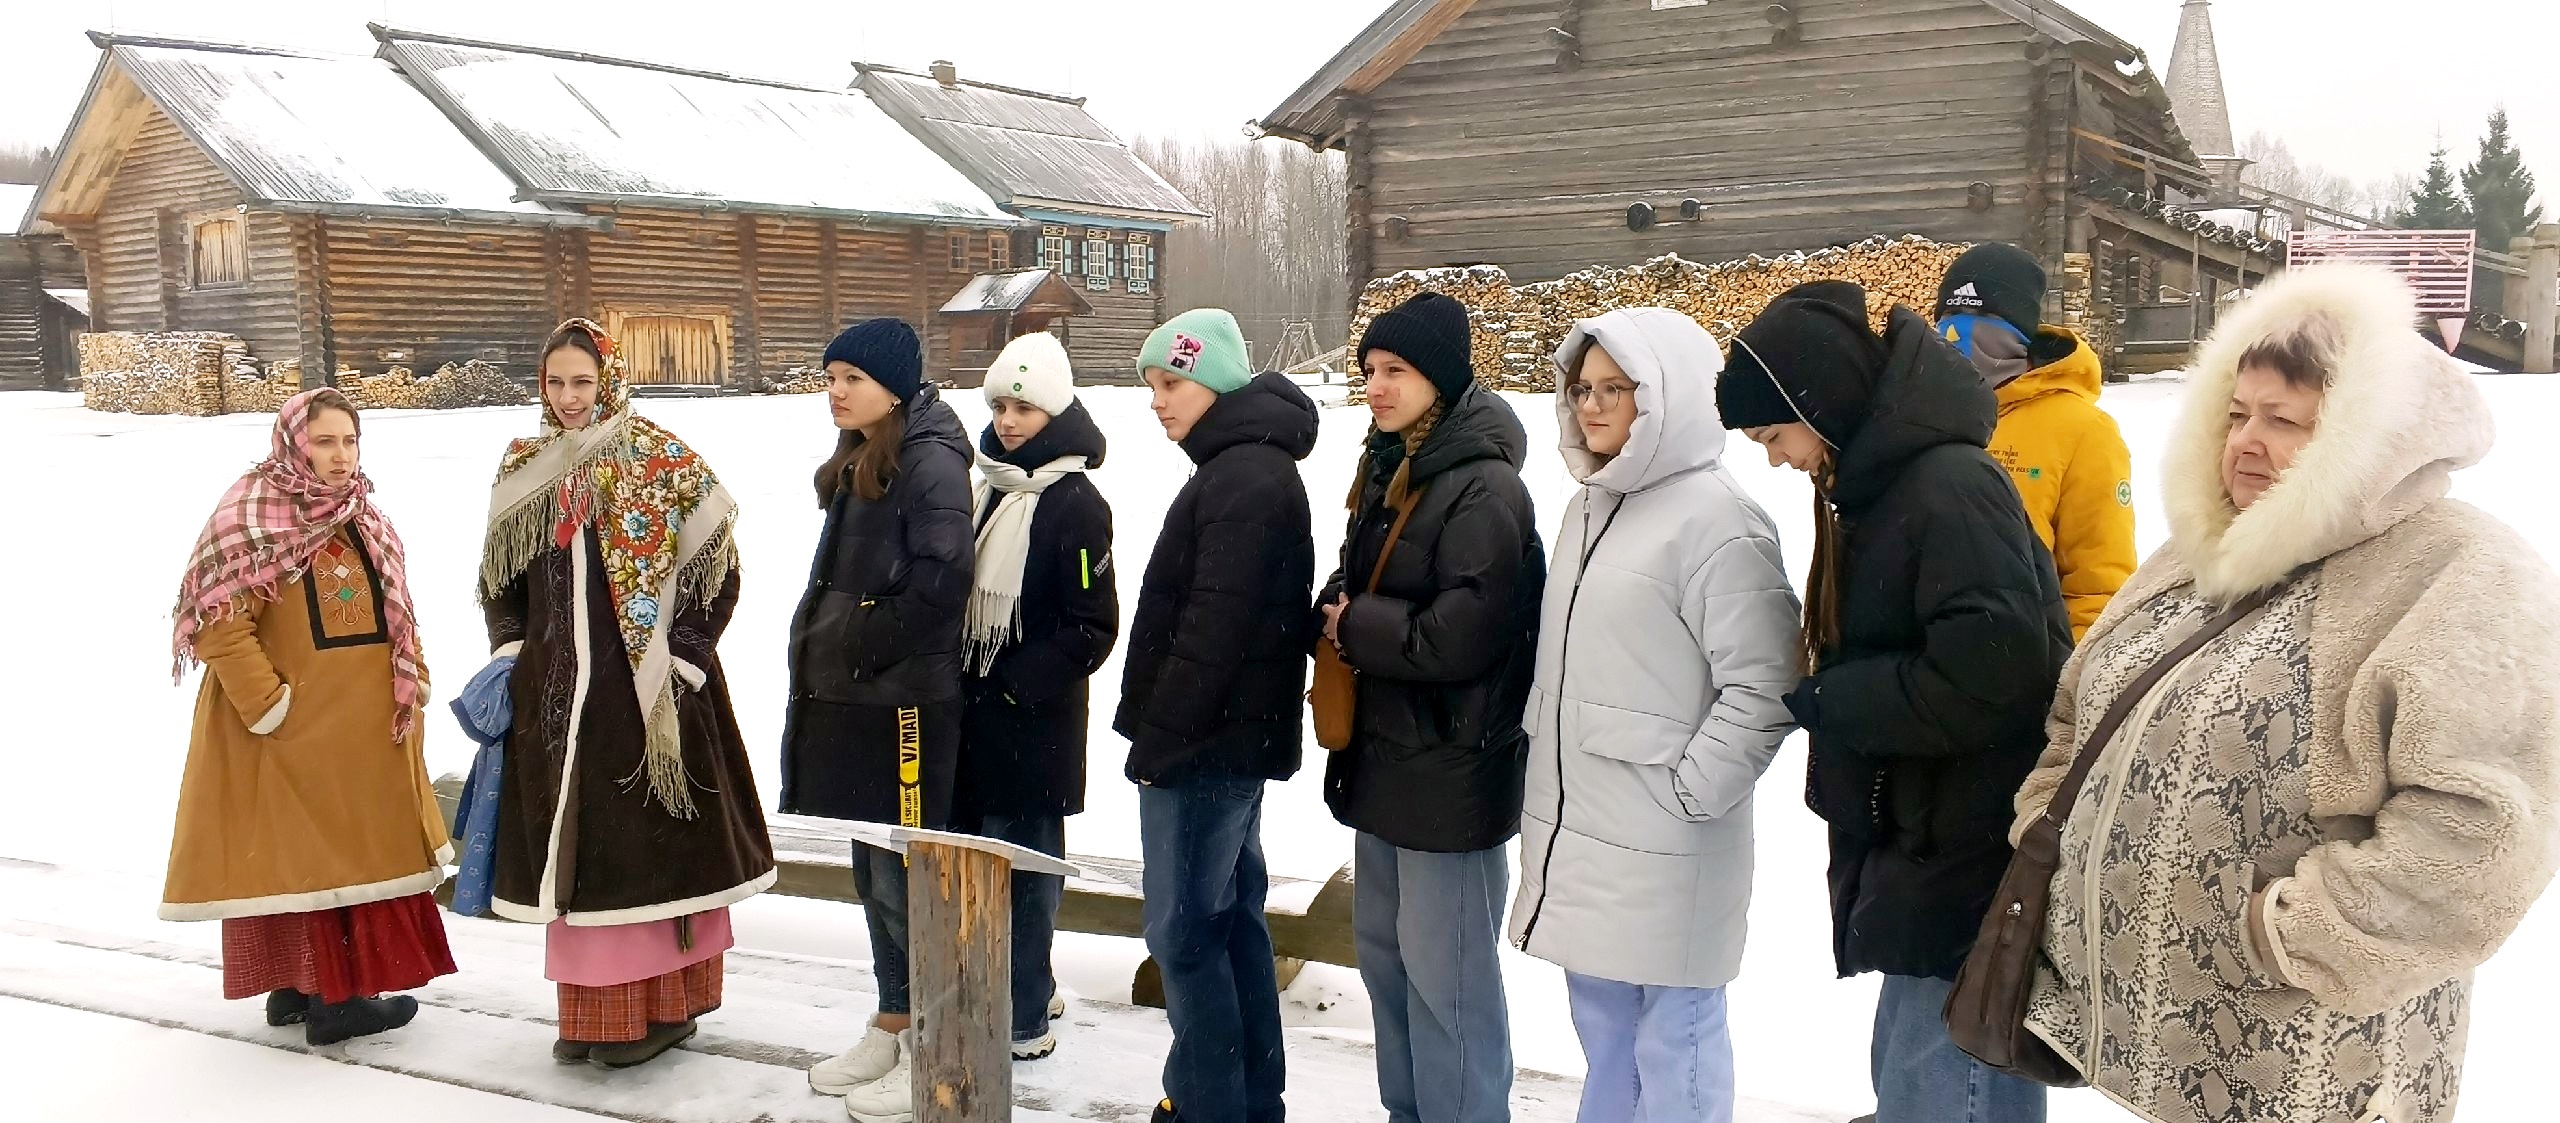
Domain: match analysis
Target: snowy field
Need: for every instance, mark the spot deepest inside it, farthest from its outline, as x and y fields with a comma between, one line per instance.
x=93, y=989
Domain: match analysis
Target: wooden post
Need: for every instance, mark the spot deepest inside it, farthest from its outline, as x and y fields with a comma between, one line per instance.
x=2542, y=302
x=961, y=904
x=1359, y=257
x=750, y=341
x=830, y=286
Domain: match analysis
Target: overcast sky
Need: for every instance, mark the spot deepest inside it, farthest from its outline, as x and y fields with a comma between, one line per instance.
x=2361, y=86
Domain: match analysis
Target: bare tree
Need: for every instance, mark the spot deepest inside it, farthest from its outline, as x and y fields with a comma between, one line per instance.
x=2274, y=167
x=1272, y=249
x=24, y=163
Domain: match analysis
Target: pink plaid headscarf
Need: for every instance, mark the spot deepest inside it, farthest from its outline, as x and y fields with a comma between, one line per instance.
x=264, y=533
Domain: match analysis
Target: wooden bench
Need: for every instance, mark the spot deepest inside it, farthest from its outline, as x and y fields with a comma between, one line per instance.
x=1310, y=920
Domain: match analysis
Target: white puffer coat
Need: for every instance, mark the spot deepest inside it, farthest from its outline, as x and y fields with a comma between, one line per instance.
x=1666, y=643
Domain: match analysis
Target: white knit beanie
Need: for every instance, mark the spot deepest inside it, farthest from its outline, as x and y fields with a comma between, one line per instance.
x=1035, y=369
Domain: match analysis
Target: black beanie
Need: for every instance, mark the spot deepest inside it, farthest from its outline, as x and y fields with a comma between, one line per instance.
x=1431, y=332
x=1811, y=357
x=886, y=349
x=1995, y=279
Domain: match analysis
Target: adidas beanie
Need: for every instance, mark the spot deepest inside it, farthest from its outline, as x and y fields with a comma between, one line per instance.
x=1995, y=279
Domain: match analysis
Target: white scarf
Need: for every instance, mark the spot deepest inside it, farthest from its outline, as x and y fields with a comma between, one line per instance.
x=1004, y=547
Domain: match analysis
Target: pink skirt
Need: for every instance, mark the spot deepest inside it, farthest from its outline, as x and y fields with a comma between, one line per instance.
x=628, y=953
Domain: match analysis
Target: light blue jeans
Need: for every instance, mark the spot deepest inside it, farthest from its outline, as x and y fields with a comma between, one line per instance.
x=1920, y=1075
x=1656, y=1054
x=1426, y=926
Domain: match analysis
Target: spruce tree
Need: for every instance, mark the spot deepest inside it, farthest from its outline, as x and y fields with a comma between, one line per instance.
x=2500, y=192
x=2434, y=204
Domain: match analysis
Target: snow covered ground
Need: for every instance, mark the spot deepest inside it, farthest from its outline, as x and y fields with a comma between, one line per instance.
x=97, y=735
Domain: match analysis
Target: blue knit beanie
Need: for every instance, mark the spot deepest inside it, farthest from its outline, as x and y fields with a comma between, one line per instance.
x=886, y=349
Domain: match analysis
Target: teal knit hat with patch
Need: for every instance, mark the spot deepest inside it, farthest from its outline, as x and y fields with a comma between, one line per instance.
x=1203, y=345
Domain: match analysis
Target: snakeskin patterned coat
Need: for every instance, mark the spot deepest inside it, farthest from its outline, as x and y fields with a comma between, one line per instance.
x=2287, y=861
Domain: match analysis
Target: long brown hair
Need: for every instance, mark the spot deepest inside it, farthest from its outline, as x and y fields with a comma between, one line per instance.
x=869, y=455
x=1401, y=486
x=1822, y=582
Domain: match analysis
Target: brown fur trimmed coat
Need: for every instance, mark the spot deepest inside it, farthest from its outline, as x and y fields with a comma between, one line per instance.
x=2290, y=858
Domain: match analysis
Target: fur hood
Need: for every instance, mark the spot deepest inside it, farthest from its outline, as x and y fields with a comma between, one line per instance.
x=2399, y=416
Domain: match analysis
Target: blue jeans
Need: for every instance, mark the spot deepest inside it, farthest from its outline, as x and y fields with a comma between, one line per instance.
x=1204, y=885
x=1035, y=916
x=1656, y=1054
x=1426, y=926
x=1920, y=1075
x=880, y=882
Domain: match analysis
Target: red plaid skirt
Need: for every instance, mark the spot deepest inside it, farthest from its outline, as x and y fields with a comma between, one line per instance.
x=615, y=1014
x=337, y=954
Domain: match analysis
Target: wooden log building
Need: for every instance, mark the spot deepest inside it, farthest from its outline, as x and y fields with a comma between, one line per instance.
x=1546, y=136
x=451, y=199
x=1095, y=214
x=43, y=307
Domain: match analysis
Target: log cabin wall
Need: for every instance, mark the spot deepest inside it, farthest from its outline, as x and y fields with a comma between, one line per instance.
x=21, y=314
x=1501, y=143
x=436, y=293
x=139, y=248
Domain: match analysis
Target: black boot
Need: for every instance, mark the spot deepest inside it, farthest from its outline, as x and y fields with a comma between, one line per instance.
x=331, y=1023
x=287, y=1007
x=629, y=1053
x=1164, y=1113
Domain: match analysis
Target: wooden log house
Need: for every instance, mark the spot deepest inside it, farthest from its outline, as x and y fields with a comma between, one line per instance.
x=1547, y=136
x=43, y=306
x=1094, y=213
x=450, y=199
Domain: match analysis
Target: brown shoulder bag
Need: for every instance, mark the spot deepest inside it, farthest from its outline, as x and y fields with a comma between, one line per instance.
x=1335, y=697
x=1987, y=1013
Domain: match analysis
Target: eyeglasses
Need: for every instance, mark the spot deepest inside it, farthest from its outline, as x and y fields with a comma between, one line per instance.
x=1606, y=396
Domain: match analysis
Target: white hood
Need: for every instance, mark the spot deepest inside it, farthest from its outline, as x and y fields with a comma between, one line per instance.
x=2398, y=417
x=1674, y=364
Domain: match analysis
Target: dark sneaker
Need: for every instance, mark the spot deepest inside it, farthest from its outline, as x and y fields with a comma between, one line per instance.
x=645, y=1050
x=331, y=1023
x=569, y=1052
x=287, y=1007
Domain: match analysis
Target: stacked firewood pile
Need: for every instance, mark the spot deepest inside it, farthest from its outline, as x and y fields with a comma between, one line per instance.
x=190, y=373
x=798, y=380
x=203, y=374
x=453, y=386
x=1517, y=328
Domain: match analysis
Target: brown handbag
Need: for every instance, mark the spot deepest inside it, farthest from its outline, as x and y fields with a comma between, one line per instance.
x=1335, y=697
x=1987, y=1012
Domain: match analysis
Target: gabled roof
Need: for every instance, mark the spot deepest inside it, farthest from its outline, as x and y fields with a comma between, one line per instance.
x=578, y=128
x=293, y=131
x=1010, y=292
x=1313, y=114
x=1026, y=148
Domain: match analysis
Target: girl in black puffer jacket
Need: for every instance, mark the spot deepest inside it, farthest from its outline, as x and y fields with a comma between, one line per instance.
x=1443, y=645
x=1042, y=618
x=1934, y=634
x=873, y=732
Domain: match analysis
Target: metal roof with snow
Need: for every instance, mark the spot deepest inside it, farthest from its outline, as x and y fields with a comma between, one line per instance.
x=578, y=128
x=292, y=131
x=1026, y=148
x=1010, y=292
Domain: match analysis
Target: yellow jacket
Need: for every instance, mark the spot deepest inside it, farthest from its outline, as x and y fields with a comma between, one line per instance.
x=2071, y=466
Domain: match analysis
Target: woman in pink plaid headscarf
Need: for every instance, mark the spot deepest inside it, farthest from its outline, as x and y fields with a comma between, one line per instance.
x=305, y=821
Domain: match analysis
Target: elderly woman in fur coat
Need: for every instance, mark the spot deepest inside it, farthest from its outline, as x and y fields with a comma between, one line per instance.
x=2287, y=859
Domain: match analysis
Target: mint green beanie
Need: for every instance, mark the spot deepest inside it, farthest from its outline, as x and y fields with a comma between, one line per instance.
x=1203, y=345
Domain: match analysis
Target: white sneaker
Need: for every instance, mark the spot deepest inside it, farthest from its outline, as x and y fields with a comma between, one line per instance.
x=892, y=1098
x=1035, y=1048
x=868, y=1060
x=1057, y=1006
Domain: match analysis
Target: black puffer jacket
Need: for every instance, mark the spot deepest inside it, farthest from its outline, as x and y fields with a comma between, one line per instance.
x=1446, y=645
x=1217, y=673
x=1024, y=750
x=1930, y=712
x=880, y=624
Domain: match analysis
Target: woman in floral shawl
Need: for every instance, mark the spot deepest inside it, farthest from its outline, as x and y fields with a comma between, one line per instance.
x=628, y=817
x=296, y=600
